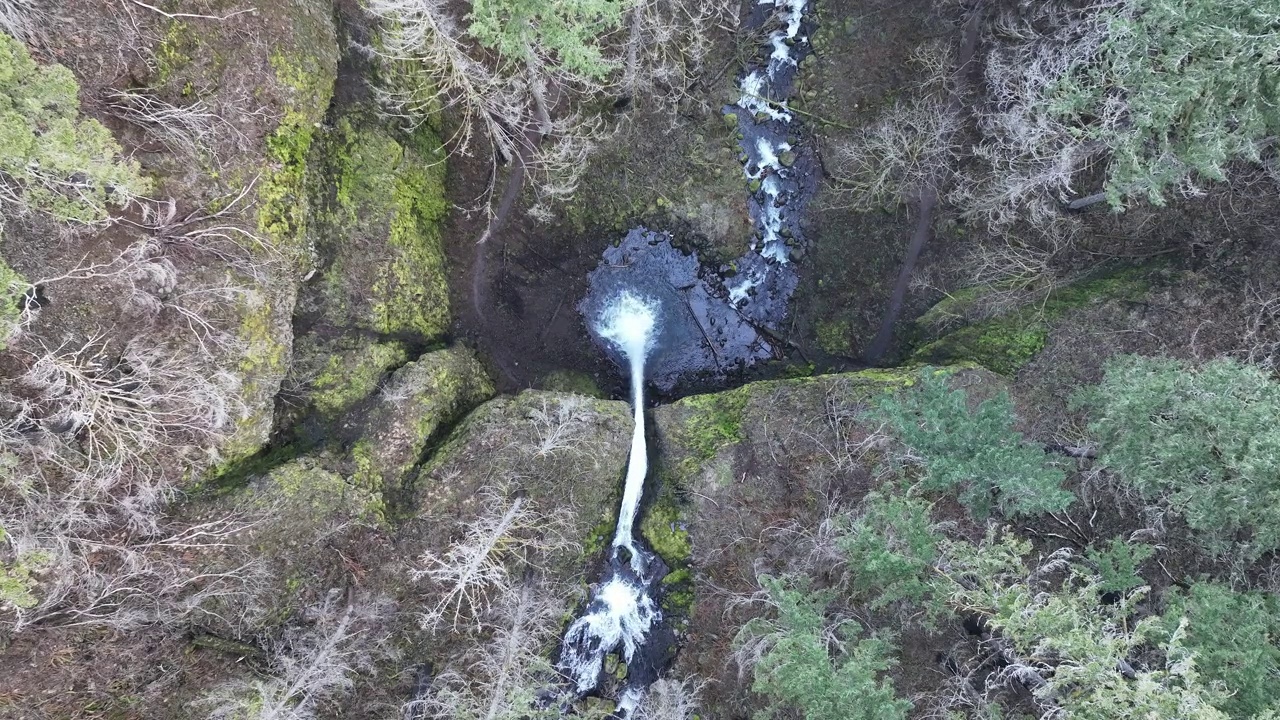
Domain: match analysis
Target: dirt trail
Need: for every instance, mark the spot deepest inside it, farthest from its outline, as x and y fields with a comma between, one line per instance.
x=480, y=265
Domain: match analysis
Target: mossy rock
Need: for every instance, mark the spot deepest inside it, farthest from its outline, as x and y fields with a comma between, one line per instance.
x=305, y=66
x=570, y=381
x=1007, y=343
x=663, y=529
x=265, y=334
x=378, y=231
x=565, y=453
x=334, y=375
x=20, y=579
x=835, y=336
x=292, y=508
x=422, y=399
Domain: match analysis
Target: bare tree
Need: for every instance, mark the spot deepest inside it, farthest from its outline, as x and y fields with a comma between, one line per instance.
x=191, y=130
x=125, y=584
x=667, y=41
x=435, y=69
x=559, y=423
x=915, y=145
x=477, y=566
x=20, y=18
x=311, y=665
x=124, y=405
x=508, y=676
x=1028, y=156
x=525, y=104
x=671, y=699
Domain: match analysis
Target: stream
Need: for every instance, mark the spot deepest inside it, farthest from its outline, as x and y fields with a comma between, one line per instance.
x=716, y=321
x=660, y=313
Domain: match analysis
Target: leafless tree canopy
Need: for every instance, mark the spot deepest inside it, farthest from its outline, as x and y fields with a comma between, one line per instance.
x=310, y=665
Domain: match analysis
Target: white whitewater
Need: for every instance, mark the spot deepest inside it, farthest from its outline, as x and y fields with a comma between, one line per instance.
x=622, y=613
x=629, y=324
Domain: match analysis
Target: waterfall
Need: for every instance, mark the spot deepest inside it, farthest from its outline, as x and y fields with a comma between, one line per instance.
x=622, y=612
x=634, y=289
x=629, y=324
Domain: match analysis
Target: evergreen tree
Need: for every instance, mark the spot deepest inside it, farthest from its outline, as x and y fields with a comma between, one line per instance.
x=976, y=452
x=1205, y=441
x=571, y=31
x=1177, y=87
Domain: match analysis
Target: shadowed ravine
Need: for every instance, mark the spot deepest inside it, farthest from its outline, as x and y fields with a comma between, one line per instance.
x=654, y=308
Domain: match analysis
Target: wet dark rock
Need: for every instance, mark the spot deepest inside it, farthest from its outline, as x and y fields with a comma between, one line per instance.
x=700, y=332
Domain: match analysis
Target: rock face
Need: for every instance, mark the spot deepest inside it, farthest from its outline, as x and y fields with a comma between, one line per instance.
x=378, y=290
x=567, y=453
x=303, y=68
x=420, y=400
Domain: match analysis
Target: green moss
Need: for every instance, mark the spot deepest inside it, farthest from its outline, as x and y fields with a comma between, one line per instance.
x=308, y=489
x=678, y=593
x=309, y=77
x=12, y=289
x=349, y=378
x=834, y=336
x=361, y=166
x=714, y=421
x=235, y=472
x=282, y=192
x=959, y=304
x=569, y=381
x=282, y=216
x=431, y=393
x=662, y=528
x=17, y=581
x=412, y=294
x=262, y=363
x=1002, y=346
x=366, y=474
x=900, y=376
x=175, y=50
x=380, y=203
x=600, y=536
x=1005, y=344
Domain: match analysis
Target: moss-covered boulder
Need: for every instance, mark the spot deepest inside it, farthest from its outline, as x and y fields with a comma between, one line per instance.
x=565, y=453
x=379, y=281
x=420, y=400
x=351, y=373
x=295, y=513
x=382, y=265
x=304, y=67
x=1007, y=342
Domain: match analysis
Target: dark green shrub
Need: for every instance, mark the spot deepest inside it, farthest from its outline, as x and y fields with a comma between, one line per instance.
x=890, y=548
x=1117, y=565
x=1234, y=636
x=798, y=671
x=975, y=452
x=1206, y=441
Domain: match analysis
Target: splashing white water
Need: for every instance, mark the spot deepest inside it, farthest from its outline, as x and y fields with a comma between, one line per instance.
x=623, y=617
x=629, y=323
